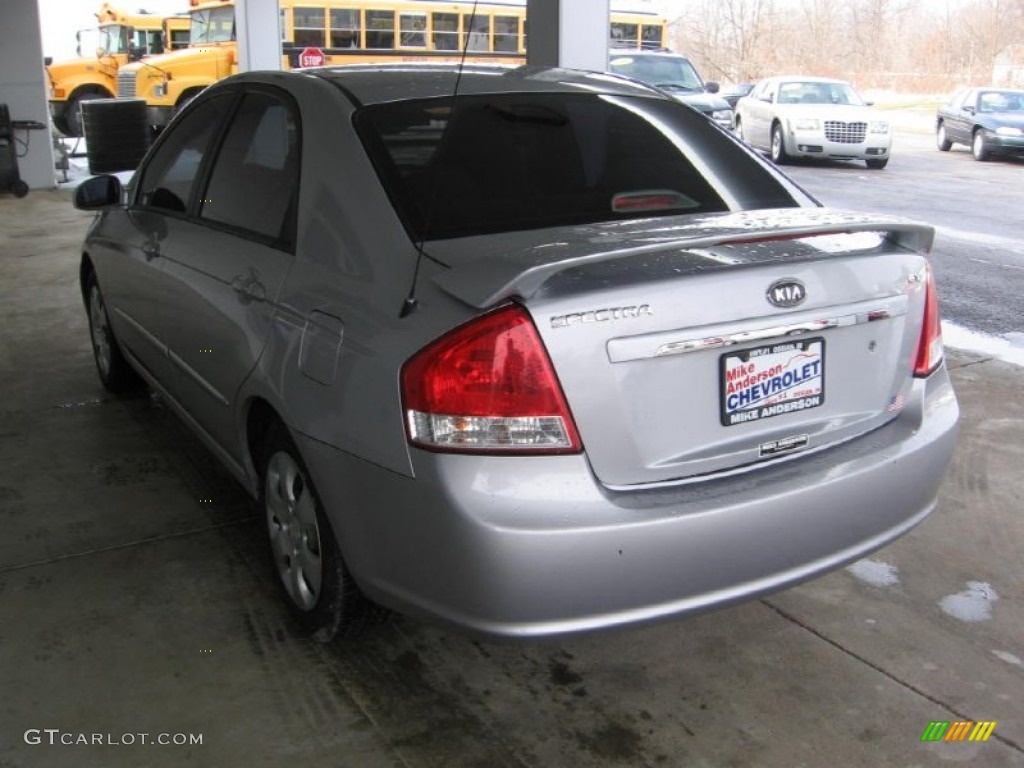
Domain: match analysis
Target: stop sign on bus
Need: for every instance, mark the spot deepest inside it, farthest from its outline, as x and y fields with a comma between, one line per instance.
x=311, y=57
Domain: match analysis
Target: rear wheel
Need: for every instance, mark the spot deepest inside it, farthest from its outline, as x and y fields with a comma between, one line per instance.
x=318, y=587
x=979, y=147
x=114, y=371
x=876, y=163
x=778, y=151
x=941, y=140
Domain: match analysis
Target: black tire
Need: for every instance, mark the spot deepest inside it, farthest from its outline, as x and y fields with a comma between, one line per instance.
x=979, y=147
x=737, y=129
x=114, y=371
x=318, y=588
x=943, y=143
x=73, y=116
x=19, y=188
x=778, y=147
x=876, y=163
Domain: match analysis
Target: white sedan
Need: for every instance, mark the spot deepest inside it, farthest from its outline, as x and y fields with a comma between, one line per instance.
x=813, y=117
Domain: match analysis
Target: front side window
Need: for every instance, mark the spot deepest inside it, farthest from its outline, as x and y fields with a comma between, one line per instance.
x=216, y=25
x=254, y=180
x=512, y=162
x=168, y=180
x=113, y=39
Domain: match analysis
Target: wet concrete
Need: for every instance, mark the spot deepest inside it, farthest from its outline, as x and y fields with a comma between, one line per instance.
x=136, y=598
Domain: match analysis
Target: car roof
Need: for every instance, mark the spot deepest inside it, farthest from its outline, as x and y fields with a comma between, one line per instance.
x=380, y=83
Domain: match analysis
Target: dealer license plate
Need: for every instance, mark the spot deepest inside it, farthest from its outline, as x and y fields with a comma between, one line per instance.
x=768, y=381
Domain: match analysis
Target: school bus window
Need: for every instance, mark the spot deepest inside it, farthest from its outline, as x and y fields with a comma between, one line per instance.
x=651, y=36
x=413, y=30
x=344, y=28
x=479, y=28
x=179, y=39
x=446, y=31
x=506, y=34
x=309, y=26
x=380, y=29
x=624, y=34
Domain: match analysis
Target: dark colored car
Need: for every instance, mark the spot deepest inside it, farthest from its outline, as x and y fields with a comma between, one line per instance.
x=988, y=120
x=737, y=92
x=677, y=76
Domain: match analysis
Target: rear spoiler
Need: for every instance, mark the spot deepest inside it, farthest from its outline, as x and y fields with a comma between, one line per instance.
x=484, y=282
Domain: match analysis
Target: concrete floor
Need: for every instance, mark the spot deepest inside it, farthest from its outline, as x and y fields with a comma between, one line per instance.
x=136, y=598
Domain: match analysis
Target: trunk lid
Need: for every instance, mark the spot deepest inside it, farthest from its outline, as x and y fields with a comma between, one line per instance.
x=674, y=360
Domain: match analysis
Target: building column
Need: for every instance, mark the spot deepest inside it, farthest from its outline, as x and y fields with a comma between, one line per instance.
x=258, y=28
x=568, y=33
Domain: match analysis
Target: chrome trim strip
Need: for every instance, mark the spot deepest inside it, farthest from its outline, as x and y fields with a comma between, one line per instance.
x=670, y=343
x=760, y=334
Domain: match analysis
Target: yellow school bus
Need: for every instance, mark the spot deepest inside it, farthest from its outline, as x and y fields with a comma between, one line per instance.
x=315, y=32
x=123, y=37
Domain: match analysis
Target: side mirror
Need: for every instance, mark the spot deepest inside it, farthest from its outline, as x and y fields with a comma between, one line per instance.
x=969, y=110
x=134, y=54
x=869, y=103
x=711, y=86
x=98, y=193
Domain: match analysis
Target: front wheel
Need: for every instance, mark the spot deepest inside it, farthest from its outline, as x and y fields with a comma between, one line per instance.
x=941, y=140
x=318, y=587
x=876, y=163
x=114, y=371
x=738, y=129
x=778, y=151
x=979, y=147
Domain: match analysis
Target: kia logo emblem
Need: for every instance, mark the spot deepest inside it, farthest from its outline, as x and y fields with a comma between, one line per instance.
x=786, y=293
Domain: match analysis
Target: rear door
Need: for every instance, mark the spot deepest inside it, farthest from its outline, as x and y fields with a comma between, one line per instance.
x=224, y=269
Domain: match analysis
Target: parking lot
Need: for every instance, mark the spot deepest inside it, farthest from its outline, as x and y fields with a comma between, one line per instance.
x=137, y=604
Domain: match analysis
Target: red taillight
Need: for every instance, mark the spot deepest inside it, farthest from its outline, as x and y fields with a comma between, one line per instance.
x=488, y=386
x=929, y=347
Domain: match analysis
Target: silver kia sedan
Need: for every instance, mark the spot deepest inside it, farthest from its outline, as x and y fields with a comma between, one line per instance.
x=527, y=351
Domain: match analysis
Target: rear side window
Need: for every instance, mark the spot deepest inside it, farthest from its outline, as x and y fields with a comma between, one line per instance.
x=527, y=161
x=254, y=181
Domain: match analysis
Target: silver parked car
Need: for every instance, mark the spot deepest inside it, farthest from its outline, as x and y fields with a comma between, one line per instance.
x=813, y=117
x=551, y=355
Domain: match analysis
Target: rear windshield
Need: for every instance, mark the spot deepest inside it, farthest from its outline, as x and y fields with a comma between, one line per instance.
x=527, y=161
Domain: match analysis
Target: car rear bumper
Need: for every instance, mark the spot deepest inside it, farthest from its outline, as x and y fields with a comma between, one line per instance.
x=535, y=546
